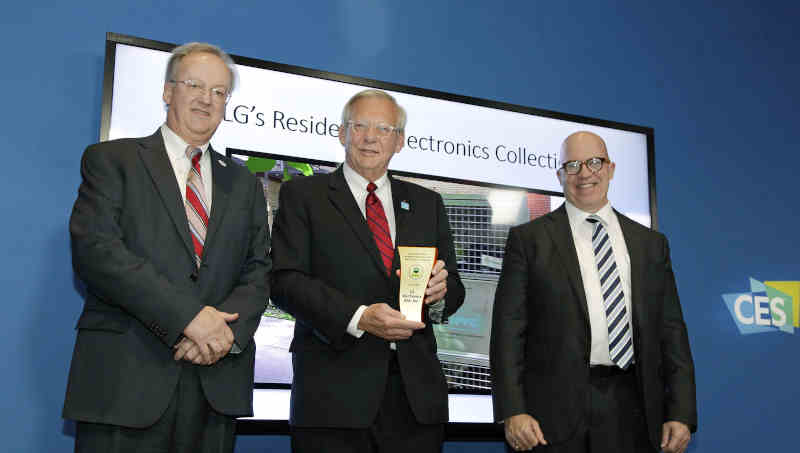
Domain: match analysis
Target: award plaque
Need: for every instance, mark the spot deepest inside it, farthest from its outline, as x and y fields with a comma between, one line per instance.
x=416, y=264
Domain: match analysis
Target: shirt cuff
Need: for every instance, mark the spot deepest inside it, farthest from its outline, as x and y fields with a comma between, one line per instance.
x=235, y=349
x=352, y=327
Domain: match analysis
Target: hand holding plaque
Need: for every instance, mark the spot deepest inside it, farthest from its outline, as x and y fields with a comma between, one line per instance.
x=416, y=264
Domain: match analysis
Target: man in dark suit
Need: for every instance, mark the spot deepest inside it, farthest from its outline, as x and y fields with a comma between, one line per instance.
x=589, y=350
x=365, y=378
x=171, y=241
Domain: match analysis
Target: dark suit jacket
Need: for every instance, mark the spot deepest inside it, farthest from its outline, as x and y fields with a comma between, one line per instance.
x=541, y=339
x=326, y=265
x=132, y=248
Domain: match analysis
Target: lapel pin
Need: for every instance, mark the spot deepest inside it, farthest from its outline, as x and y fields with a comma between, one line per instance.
x=404, y=205
x=221, y=162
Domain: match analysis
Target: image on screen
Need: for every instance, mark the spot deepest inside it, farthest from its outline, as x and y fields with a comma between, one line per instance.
x=479, y=217
x=493, y=163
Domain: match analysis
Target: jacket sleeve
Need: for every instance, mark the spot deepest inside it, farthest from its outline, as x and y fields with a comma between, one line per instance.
x=315, y=304
x=680, y=402
x=456, y=292
x=114, y=274
x=509, y=326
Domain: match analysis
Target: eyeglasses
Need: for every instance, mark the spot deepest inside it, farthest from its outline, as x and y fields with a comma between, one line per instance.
x=197, y=88
x=381, y=130
x=594, y=164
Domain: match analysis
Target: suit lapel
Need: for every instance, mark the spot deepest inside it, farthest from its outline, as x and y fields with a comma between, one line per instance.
x=636, y=253
x=402, y=210
x=561, y=233
x=342, y=199
x=154, y=155
x=222, y=180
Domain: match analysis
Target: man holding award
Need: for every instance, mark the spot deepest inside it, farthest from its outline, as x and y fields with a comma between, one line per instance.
x=366, y=374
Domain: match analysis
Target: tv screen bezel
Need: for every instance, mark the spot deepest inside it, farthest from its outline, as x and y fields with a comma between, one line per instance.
x=454, y=430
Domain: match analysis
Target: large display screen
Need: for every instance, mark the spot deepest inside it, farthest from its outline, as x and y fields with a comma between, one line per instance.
x=493, y=163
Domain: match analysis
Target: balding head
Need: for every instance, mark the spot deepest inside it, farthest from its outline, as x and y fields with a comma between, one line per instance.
x=583, y=138
x=587, y=190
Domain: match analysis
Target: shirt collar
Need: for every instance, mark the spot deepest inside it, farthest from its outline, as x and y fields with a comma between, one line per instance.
x=577, y=216
x=356, y=180
x=176, y=146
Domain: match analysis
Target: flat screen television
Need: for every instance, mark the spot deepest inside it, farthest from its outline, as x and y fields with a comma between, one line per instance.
x=494, y=164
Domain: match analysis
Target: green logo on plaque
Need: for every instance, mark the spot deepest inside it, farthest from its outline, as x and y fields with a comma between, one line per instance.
x=416, y=272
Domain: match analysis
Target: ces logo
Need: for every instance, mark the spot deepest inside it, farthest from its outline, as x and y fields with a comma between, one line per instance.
x=768, y=307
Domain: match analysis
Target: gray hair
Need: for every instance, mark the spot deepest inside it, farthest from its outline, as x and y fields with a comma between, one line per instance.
x=193, y=47
x=401, y=112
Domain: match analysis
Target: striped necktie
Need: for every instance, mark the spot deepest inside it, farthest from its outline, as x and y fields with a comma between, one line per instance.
x=620, y=344
x=196, y=207
x=376, y=219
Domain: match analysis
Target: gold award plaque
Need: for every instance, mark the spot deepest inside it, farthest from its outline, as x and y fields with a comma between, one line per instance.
x=416, y=264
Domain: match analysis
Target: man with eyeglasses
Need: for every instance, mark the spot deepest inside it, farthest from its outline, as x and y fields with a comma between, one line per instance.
x=589, y=350
x=171, y=241
x=365, y=378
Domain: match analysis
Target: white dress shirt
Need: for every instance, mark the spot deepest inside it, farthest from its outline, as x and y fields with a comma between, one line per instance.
x=582, y=236
x=181, y=164
x=358, y=187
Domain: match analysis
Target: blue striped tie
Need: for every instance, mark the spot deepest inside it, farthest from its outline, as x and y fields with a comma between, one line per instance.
x=620, y=344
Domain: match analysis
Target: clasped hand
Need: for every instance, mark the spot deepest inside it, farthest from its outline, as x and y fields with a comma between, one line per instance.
x=207, y=338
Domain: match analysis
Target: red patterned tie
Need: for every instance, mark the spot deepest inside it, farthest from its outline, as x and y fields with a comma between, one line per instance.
x=196, y=207
x=376, y=219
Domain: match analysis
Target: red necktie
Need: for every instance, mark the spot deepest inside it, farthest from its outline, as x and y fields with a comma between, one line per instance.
x=376, y=219
x=196, y=210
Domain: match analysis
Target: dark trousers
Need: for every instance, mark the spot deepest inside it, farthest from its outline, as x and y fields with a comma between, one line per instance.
x=614, y=421
x=395, y=429
x=188, y=425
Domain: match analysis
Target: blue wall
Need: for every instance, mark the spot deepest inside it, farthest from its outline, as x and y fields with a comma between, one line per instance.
x=717, y=82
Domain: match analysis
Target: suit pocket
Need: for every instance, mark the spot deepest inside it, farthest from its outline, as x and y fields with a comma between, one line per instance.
x=104, y=320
